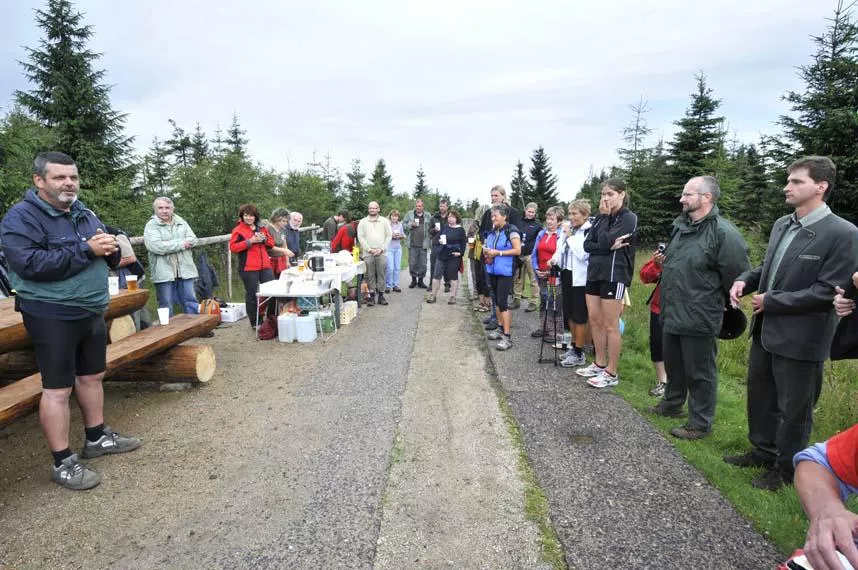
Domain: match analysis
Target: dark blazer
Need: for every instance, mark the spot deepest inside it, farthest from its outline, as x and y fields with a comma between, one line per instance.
x=798, y=319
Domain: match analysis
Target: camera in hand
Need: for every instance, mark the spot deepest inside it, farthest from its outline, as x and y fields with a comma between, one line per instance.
x=662, y=247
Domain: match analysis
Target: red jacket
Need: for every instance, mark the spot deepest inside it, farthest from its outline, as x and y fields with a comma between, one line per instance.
x=251, y=257
x=345, y=238
x=650, y=273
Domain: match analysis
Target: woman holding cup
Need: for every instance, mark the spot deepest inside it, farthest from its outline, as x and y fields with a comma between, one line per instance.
x=502, y=245
x=452, y=242
x=251, y=242
x=611, y=246
x=394, y=253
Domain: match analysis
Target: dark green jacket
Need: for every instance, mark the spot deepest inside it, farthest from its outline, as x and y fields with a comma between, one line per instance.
x=702, y=260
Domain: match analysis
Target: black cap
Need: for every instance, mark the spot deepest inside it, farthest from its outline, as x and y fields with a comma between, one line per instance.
x=734, y=324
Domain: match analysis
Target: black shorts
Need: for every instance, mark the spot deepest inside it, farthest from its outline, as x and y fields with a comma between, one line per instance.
x=574, y=299
x=656, y=342
x=606, y=289
x=501, y=286
x=65, y=349
x=447, y=268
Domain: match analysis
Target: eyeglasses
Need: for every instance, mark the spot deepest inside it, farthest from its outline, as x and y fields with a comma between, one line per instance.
x=690, y=194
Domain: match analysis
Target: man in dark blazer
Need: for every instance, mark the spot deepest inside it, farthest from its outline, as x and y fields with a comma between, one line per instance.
x=810, y=252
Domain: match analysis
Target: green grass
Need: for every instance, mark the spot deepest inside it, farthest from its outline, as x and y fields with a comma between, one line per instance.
x=779, y=515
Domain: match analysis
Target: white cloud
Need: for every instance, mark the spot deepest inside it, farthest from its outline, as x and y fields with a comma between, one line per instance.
x=464, y=88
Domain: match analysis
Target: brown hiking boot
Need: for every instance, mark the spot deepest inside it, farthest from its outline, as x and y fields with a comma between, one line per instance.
x=689, y=432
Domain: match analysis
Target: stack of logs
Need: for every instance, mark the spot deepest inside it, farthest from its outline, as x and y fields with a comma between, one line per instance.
x=154, y=354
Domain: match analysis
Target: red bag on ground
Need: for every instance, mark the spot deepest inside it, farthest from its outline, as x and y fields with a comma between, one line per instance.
x=268, y=329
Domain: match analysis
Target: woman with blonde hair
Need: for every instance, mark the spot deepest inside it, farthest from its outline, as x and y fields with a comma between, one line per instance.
x=513, y=218
x=611, y=245
x=573, y=261
x=394, y=253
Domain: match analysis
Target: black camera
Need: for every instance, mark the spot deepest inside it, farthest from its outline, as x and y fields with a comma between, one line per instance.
x=554, y=271
x=662, y=247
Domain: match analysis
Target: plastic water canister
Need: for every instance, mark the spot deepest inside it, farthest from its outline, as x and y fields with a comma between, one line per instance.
x=287, y=327
x=306, y=329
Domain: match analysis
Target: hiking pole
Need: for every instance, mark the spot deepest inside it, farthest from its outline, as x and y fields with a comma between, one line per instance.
x=551, y=296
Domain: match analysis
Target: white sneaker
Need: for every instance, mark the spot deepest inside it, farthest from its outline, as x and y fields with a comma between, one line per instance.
x=573, y=360
x=590, y=371
x=566, y=354
x=604, y=380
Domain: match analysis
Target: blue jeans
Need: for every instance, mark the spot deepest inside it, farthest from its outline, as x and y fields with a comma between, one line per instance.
x=394, y=264
x=180, y=291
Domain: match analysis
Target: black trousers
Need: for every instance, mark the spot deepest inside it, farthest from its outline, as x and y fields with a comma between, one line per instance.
x=251, y=280
x=781, y=396
x=433, y=255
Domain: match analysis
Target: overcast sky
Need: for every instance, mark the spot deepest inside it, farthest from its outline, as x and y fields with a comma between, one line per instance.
x=463, y=88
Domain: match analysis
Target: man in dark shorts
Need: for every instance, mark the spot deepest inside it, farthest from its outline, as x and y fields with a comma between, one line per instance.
x=59, y=254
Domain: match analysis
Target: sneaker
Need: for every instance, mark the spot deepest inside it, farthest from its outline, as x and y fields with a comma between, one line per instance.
x=531, y=307
x=504, y=344
x=494, y=335
x=516, y=304
x=387, y=289
x=566, y=354
x=591, y=371
x=110, y=442
x=396, y=289
x=491, y=325
x=488, y=319
x=370, y=301
x=451, y=301
x=658, y=391
x=74, y=475
x=430, y=298
x=689, y=432
x=573, y=360
x=749, y=459
x=604, y=380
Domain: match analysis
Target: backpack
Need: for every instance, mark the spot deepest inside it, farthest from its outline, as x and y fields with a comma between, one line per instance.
x=268, y=329
x=209, y=307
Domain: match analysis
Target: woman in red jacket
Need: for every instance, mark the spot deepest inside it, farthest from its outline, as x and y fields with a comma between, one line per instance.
x=651, y=273
x=345, y=238
x=251, y=242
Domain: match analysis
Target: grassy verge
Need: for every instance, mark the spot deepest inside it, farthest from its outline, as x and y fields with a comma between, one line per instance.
x=776, y=515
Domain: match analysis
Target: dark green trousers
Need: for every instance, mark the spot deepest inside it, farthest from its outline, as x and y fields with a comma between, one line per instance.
x=691, y=373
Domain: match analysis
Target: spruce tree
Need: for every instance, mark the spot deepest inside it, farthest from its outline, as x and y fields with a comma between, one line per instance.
x=199, y=146
x=824, y=119
x=520, y=188
x=157, y=167
x=544, y=186
x=235, y=141
x=696, y=143
x=356, y=191
x=179, y=144
x=70, y=97
x=381, y=186
x=21, y=138
x=420, y=188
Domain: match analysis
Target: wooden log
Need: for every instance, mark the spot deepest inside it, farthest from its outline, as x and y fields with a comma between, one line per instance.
x=19, y=397
x=16, y=365
x=183, y=363
x=121, y=327
x=13, y=336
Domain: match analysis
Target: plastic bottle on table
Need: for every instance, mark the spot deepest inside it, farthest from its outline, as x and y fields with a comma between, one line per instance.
x=356, y=254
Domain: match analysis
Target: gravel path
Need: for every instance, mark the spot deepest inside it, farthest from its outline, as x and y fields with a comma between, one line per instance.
x=620, y=496
x=455, y=498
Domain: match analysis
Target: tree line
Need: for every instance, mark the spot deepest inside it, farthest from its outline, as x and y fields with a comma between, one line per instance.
x=823, y=121
x=209, y=174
